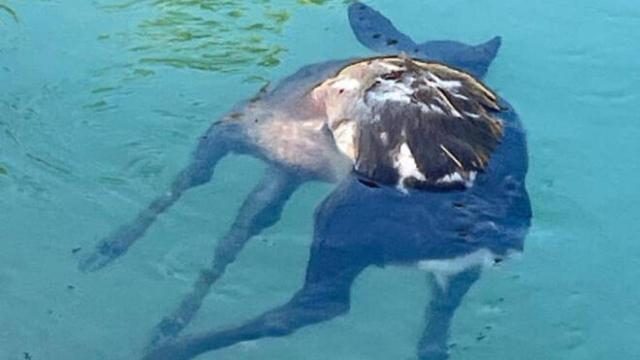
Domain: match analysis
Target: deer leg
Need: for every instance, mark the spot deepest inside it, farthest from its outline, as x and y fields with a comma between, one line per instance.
x=325, y=295
x=214, y=145
x=260, y=210
x=446, y=297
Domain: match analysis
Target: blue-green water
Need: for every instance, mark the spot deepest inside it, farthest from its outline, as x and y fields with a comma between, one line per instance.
x=100, y=106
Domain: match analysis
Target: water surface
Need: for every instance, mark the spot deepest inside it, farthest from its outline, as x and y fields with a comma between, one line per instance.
x=101, y=103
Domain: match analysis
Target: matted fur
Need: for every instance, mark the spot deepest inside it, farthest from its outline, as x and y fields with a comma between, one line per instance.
x=412, y=123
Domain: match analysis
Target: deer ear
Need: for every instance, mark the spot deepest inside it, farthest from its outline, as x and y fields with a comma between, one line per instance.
x=474, y=59
x=377, y=33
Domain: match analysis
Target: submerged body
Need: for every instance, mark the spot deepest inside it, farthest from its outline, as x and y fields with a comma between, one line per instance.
x=430, y=166
x=387, y=226
x=493, y=213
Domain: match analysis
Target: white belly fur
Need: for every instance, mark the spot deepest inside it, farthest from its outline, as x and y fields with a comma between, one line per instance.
x=443, y=269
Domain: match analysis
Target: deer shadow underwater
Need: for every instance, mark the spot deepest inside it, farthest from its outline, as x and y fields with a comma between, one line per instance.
x=430, y=168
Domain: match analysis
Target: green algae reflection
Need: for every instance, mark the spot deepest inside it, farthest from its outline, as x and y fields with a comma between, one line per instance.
x=209, y=35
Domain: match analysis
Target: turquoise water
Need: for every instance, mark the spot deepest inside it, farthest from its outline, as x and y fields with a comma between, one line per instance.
x=98, y=113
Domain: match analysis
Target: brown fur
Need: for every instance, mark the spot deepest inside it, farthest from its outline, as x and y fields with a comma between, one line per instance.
x=450, y=108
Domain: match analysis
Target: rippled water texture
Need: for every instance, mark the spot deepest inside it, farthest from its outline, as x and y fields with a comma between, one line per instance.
x=102, y=101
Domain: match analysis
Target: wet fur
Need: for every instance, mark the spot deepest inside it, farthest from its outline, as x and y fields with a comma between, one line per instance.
x=437, y=120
